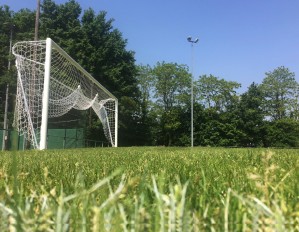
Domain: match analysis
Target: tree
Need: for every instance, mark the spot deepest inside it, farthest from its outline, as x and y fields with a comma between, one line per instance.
x=6, y=19
x=92, y=41
x=279, y=88
x=282, y=133
x=15, y=26
x=62, y=24
x=216, y=93
x=251, y=117
x=219, y=121
x=113, y=66
x=101, y=50
x=171, y=90
x=24, y=21
x=5, y=27
x=294, y=114
x=172, y=84
x=146, y=114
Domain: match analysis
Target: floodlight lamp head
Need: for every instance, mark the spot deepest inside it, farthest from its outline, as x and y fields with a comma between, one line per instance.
x=196, y=40
x=189, y=39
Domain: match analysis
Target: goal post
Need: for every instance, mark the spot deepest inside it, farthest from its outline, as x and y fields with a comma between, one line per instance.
x=45, y=98
x=51, y=84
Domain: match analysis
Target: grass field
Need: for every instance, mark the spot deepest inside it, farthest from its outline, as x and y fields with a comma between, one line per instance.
x=150, y=189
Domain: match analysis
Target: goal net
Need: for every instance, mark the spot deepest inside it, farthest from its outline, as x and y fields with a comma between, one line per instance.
x=51, y=84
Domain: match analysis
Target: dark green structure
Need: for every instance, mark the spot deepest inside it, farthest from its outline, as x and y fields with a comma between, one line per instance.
x=57, y=139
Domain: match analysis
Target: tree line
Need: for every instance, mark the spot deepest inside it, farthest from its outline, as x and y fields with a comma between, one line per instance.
x=264, y=115
x=154, y=102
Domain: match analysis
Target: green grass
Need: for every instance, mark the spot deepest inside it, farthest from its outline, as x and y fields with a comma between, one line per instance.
x=150, y=189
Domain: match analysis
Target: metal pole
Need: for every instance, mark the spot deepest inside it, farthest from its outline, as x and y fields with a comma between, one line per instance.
x=5, y=121
x=192, y=101
x=37, y=20
x=192, y=60
x=10, y=45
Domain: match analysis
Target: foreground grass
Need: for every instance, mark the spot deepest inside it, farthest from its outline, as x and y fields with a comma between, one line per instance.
x=150, y=189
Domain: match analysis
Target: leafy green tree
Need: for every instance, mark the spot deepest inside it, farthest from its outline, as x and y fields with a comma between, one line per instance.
x=106, y=57
x=282, y=133
x=6, y=21
x=279, y=88
x=16, y=26
x=101, y=50
x=92, y=41
x=62, y=24
x=24, y=21
x=216, y=93
x=13, y=28
x=251, y=117
x=147, y=115
x=171, y=83
x=294, y=114
x=219, y=129
x=219, y=121
x=199, y=122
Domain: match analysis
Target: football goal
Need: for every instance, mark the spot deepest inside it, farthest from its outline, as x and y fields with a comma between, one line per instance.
x=50, y=85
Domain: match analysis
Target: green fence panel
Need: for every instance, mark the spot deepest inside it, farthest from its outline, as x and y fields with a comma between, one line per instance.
x=15, y=141
x=65, y=138
x=57, y=139
x=74, y=138
x=70, y=141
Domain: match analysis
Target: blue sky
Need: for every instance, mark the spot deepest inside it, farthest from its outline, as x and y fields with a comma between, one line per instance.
x=239, y=40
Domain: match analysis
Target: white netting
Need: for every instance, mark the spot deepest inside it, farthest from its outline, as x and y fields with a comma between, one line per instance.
x=71, y=87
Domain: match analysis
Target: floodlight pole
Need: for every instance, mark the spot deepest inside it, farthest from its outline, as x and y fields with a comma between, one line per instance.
x=192, y=101
x=37, y=20
x=10, y=44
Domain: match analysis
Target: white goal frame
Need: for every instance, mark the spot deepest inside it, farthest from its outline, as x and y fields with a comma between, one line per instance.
x=97, y=103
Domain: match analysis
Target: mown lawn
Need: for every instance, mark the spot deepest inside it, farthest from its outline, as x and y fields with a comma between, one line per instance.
x=150, y=189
